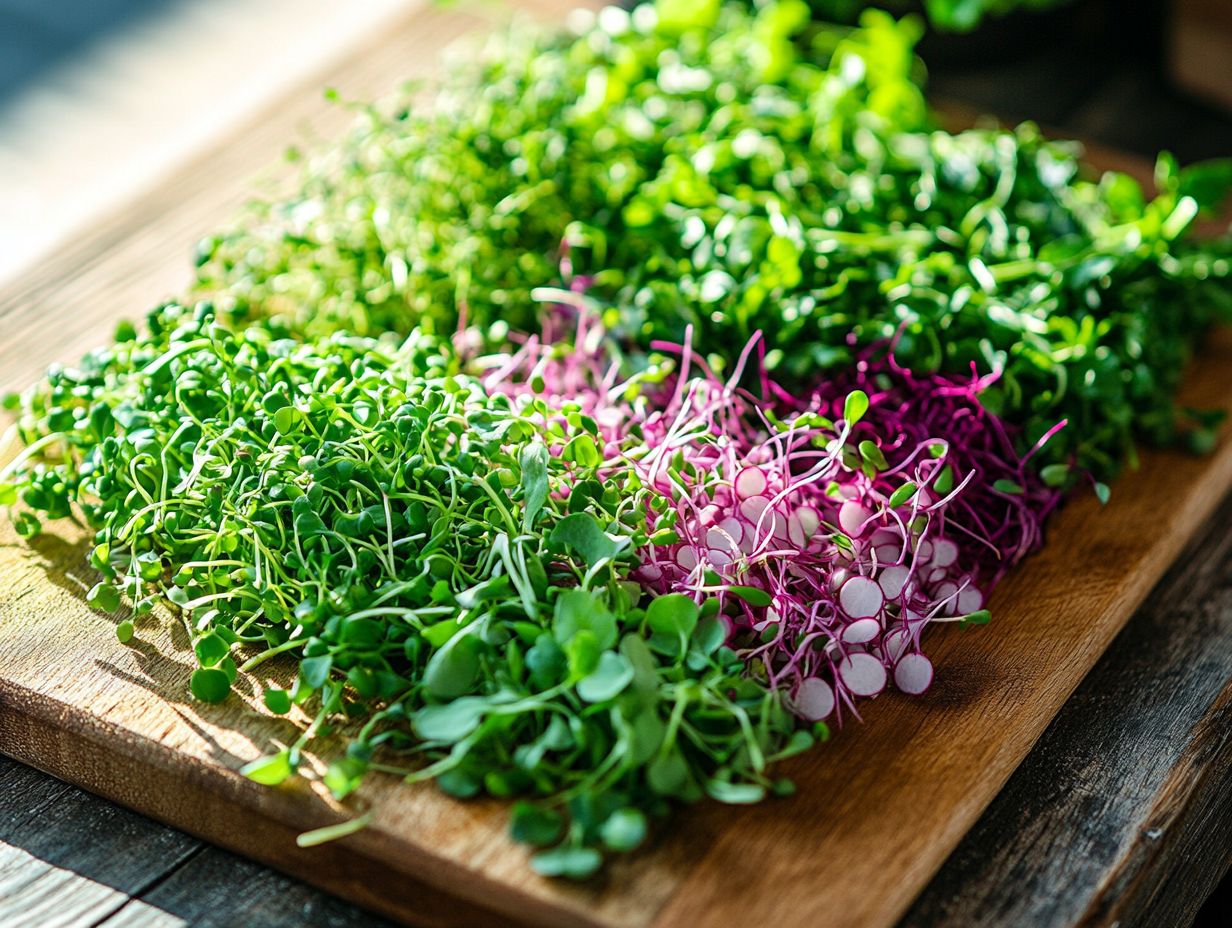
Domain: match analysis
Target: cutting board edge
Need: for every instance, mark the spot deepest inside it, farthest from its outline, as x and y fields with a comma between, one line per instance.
x=79, y=754
x=1212, y=487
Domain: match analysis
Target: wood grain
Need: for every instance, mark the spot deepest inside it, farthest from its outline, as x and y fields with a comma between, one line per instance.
x=70, y=859
x=877, y=812
x=118, y=720
x=66, y=862
x=130, y=88
x=885, y=810
x=140, y=254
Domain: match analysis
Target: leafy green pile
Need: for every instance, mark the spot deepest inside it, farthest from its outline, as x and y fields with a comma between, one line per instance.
x=943, y=15
x=445, y=566
x=704, y=168
x=308, y=469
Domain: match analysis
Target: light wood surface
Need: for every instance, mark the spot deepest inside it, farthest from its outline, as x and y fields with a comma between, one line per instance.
x=877, y=812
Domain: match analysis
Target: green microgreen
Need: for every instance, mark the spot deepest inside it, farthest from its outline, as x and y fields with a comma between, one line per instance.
x=733, y=171
x=445, y=566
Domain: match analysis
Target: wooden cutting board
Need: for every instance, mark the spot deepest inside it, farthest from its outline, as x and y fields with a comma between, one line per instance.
x=878, y=809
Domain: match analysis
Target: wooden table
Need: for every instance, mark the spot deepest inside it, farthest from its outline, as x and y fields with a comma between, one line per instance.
x=1121, y=815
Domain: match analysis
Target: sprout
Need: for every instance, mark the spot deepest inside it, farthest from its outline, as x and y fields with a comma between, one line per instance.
x=831, y=527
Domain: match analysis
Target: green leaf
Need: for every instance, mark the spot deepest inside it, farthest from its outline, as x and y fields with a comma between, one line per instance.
x=583, y=653
x=608, y=680
x=582, y=450
x=546, y=662
x=449, y=722
x=460, y=784
x=623, y=830
x=755, y=597
x=672, y=614
x=124, y=631
x=211, y=649
x=535, y=824
x=980, y=617
x=945, y=480
x=452, y=670
x=710, y=634
x=679, y=15
x=1007, y=486
x=648, y=732
x=855, y=407
x=493, y=588
x=1180, y=218
x=362, y=634
x=344, y=776
x=735, y=793
x=277, y=701
x=27, y=524
x=1055, y=475
x=645, y=670
x=579, y=610
x=270, y=770
x=799, y=742
x=1208, y=182
x=872, y=454
x=902, y=494
x=1102, y=492
x=209, y=685
x=287, y=420
x=438, y=635
x=668, y=773
x=582, y=534
x=575, y=863
x=104, y=596
x=534, y=482
x=314, y=671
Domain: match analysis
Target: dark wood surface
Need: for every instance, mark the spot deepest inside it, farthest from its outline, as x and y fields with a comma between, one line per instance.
x=68, y=858
x=1121, y=814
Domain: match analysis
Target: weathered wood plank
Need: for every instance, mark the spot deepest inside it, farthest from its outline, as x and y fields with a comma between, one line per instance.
x=1067, y=835
x=216, y=889
x=1123, y=811
x=140, y=254
x=71, y=859
x=100, y=96
x=911, y=781
x=68, y=859
x=117, y=719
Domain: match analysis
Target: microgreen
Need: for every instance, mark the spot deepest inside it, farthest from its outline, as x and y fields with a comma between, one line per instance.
x=738, y=171
x=442, y=571
x=943, y=15
x=817, y=535
x=581, y=555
